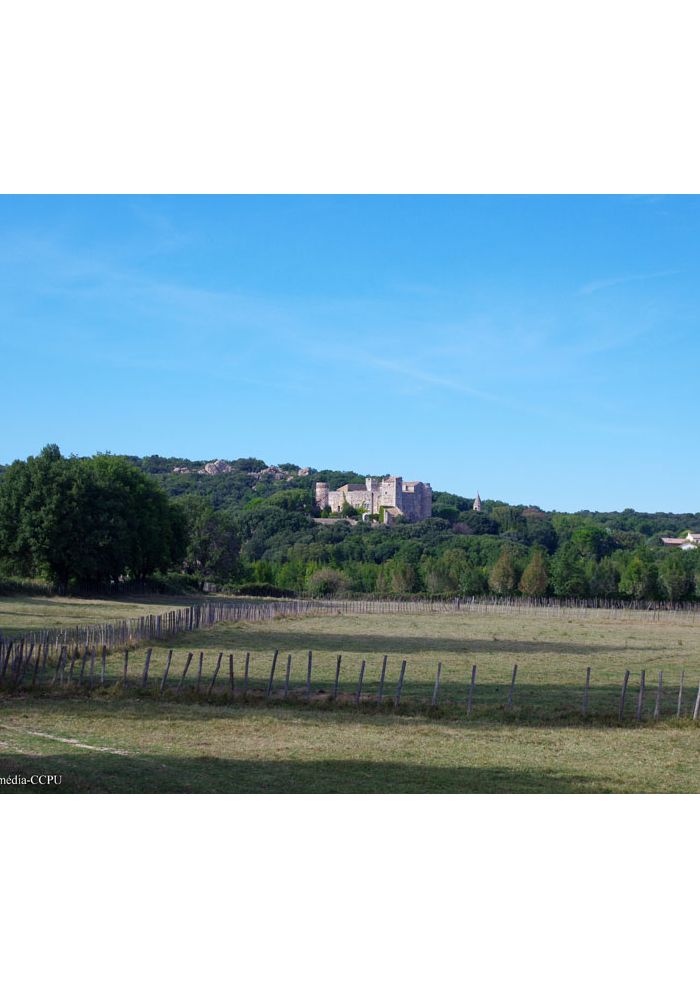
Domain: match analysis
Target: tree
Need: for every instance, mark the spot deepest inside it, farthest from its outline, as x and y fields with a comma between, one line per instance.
x=639, y=578
x=569, y=572
x=349, y=511
x=503, y=579
x=534, y=580
x=293, y=500
x=476, y=523
x=398, y=577
x=213, y=543
x=541, y=532
x=448, y=512
x=91, y=519
x=326, y=582
x=444, y=574
x=676, y=574
x=605, y=578
x=592, y=541
x=404, y=577
x=473, y=581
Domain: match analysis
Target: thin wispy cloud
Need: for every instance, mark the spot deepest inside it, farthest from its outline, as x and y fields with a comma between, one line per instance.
x=427, y=377
x=524, y=331
x=603, y=283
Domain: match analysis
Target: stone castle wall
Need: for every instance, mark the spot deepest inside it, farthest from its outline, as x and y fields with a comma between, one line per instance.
x=412, y=499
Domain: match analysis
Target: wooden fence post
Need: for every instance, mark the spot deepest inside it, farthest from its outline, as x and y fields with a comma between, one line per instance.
x=308, y=677
x=82, y=665
x=245, y=674
x=659, y=689
x=230, y=674
x=72, y=664
x=59, y=665
x=36, y=666
x=216, y=673
x=470, y=696
x=512, y=686
x=399, y=686
x=23, y=664
x=144, y=682
x=8, y=653
x=358, y=693
x=126, y=664
x=625, y=681
x=18, y=660
x=165, y=674
x=696, y=709
x=337, y=676
x=65, y=665
x=436, y=688
x=287, y=675
x=104, y=665
x=640, y=699
x=380, y=692
x=586, y=689
x=679, y=708
x=199, y=671
x=272, y=674
x=184, y=672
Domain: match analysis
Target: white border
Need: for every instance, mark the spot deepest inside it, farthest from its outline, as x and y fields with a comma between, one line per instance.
x=341, y=891
x=369, y=97
x=374, y=96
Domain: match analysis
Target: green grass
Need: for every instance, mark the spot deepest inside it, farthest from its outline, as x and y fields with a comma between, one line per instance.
x=543, y=745
x=188, y=748
x=551, y=651
x=26, y=613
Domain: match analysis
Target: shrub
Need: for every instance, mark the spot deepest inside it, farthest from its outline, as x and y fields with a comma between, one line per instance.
x=263, y=590
x=18, y=585
x=326, y=581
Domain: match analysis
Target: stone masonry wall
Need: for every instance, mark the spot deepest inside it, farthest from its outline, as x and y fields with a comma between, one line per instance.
x=412, y=498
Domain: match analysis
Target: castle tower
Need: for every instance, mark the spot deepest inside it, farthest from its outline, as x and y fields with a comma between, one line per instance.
x=322, y=494
x=477, y=503
x=372, y=485
x=390, y=492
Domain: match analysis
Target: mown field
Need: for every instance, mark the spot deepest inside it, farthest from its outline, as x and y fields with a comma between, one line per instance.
x=125, y=739
x=128, y=746
x=26, y=613
x=552, y=652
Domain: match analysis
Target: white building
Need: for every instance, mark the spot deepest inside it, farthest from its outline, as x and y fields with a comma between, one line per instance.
x=691, y=541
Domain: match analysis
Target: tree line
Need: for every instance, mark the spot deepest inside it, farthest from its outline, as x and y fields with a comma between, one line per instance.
x=107, y=518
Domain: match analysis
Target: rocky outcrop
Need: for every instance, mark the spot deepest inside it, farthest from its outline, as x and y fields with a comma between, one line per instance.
x=216, y=467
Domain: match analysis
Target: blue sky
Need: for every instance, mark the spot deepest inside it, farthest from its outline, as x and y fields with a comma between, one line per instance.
x=541, y=349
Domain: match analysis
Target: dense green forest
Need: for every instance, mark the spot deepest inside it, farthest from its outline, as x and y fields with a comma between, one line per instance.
x=252, y=529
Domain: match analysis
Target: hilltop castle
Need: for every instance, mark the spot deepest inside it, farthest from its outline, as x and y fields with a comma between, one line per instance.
x=388, y=497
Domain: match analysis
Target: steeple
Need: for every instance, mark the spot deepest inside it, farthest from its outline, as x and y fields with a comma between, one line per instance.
x=477, y=503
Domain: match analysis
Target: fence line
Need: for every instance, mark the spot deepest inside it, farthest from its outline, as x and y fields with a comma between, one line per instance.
x=153, y=628
x=71, y=672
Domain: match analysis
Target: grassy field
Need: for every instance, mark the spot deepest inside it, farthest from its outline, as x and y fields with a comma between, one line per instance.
x=552, y=653
x=120, y=739
x=142, y=747
x=27, y=613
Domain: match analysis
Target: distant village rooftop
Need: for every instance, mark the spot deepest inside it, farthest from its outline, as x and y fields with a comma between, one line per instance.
x=691, y=541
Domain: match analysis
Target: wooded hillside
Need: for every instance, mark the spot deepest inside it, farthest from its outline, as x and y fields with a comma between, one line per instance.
x=253, y=529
